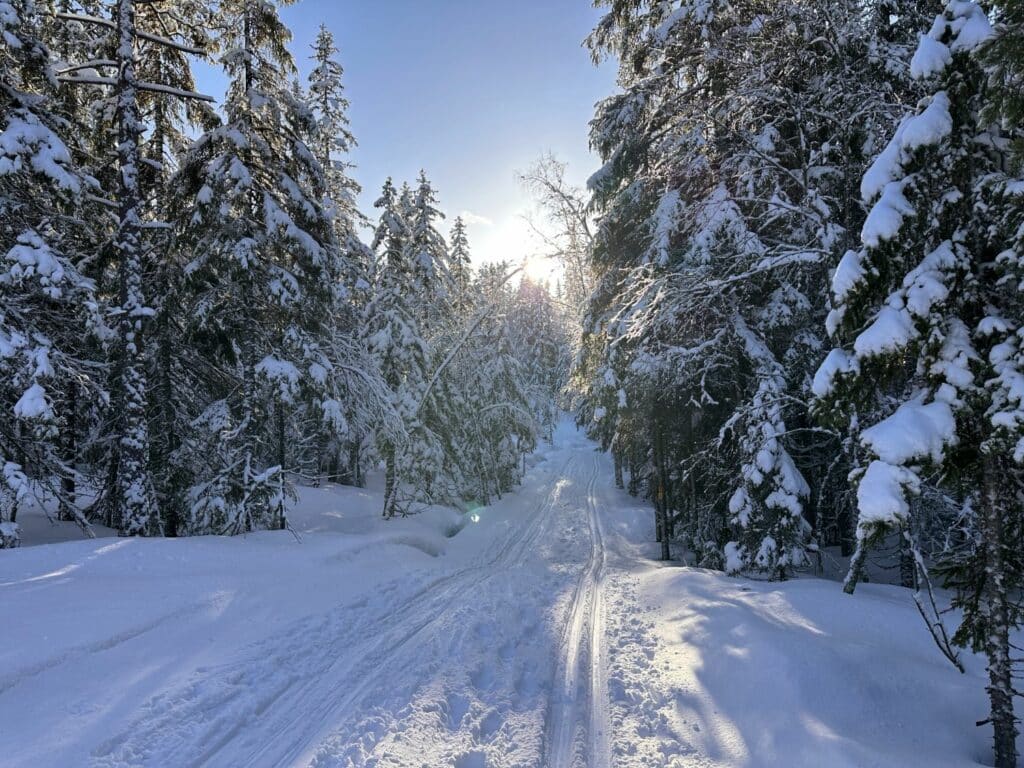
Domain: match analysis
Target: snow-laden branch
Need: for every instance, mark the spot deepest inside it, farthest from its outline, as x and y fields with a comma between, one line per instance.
x=140, y=85
x=165, y=41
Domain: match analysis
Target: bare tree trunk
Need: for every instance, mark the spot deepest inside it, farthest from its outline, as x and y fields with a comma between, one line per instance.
x=634, y=474
x=997, y=640
x=847, y=537
x=618, y=469
x=908, y=566
x=134, y=494
x=661, y=491
x=70, y=450
x=390, y=482
x=661, y=519
x=355, y=464
x=281, y=449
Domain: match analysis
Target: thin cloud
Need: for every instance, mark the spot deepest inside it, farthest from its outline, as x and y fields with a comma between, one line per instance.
x=475, y=219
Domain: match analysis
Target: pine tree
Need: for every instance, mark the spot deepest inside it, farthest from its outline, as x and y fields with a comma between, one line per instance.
x=428, y=254
x=720, y=218
x=929, y=306
x=331, y=141
x=140, y=118
x=171, y=364
x=130, y=483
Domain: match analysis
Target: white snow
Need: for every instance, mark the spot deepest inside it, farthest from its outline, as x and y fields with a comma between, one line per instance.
x=970, y=24
x=930, y=58
x=886, y=216
x=885, y=175
x=892, y=329
x=849, y=272
x=882, y=496
x=720, y=672
x=543, y=634
x=916, y=431
x=929, y=127
x=25, y=143
x=33, y=403
x=837, y=362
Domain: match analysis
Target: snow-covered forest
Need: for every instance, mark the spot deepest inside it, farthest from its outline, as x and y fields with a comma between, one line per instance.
x=290, y=480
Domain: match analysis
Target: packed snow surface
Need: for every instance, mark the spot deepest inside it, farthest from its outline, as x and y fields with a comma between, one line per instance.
x=541, y=635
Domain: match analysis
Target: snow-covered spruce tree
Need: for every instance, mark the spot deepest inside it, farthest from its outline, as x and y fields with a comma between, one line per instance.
x=332, y=138
x=264, y=266
x=494, y=413
x=331, y=141
x=131, y=495
x=46, y=305
x=144, y=82
x=459, y=267
x=414, y=456
x=681, y=266
x=428, y=254
x=172, y=373
x=930, y=307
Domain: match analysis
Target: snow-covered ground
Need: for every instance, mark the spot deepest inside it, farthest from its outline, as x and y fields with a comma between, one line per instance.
x=435, y=641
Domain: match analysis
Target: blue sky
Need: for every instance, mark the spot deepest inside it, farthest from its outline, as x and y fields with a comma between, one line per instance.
x=470, y=90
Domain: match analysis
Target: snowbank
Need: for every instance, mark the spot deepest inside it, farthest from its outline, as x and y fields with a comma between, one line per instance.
x=728, y=672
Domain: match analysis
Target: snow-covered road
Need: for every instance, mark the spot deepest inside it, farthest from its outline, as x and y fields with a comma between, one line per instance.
x=541, y=636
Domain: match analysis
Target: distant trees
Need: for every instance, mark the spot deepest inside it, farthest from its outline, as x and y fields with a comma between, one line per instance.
x=470, y=401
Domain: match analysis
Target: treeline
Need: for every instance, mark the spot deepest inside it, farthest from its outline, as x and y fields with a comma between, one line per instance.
x=786, y=178
x=190, y=321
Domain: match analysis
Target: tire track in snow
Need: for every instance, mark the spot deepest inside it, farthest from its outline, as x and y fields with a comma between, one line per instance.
x=457, y=584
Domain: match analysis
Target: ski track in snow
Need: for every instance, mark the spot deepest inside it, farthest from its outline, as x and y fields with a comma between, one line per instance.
x=571, y=740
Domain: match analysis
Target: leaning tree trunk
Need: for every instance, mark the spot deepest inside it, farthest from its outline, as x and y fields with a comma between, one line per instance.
x=997, y=638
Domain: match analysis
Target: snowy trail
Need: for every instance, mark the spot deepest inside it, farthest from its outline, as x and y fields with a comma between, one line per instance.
x=572, y=740
x=519, y=706
x=543, y=636
x=389, y=648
